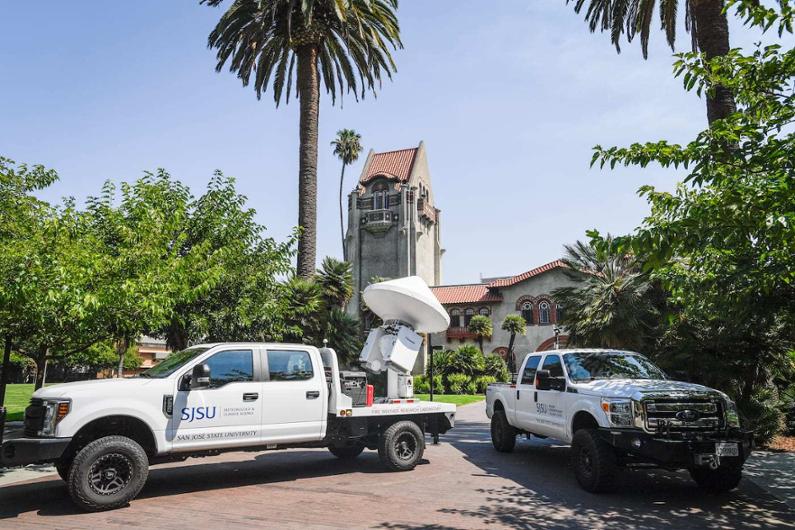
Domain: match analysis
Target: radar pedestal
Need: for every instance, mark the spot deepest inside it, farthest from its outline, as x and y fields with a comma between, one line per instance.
x=408, y=307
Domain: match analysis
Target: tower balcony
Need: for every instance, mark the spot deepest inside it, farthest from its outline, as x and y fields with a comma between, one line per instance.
x=426, y=211
x=460, y=333
x=378, y=221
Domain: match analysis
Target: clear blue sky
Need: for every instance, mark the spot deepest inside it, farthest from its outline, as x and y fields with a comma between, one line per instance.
x=509, y=97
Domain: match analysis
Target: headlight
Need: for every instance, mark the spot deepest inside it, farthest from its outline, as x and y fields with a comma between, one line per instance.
x=619, y=412
x=54, y=412
x=732, y=416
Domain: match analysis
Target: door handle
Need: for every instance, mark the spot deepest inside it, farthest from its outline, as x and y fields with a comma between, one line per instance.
x=517, y=394
x=312, y=394
x=250, y=396
x=535, y=396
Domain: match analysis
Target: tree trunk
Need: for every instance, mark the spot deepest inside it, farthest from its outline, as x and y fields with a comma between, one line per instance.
x=342, y=226
x=480, y=343
x=176, y=336
x=121, y=349
x=711, y=29
x=309, y=96
x=6, y=369
x=511, y=361
x=41, y=367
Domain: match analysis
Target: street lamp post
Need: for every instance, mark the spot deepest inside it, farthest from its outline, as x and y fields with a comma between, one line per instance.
x=557, y=337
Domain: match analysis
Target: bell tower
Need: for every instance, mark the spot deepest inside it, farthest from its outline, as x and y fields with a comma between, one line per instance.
x=393, y=221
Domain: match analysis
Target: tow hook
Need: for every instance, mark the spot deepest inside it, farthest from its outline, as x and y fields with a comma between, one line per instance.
x=710, y=461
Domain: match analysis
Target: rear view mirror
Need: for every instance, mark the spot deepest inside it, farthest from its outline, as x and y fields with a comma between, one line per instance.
x=543, y=381
x=200, y=378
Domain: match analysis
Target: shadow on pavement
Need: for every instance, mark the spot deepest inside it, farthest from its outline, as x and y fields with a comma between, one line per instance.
x=546, y=495
x=50, y=498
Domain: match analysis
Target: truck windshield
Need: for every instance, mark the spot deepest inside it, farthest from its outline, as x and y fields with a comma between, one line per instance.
x=173, y=362
x=586, y=366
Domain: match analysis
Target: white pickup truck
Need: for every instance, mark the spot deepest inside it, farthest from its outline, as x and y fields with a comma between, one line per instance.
x=102, y=435
x=616, y=408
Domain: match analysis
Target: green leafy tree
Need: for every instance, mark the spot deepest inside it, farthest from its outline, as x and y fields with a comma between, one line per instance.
x=347, y=146
x=515, y=325
x=723, y=243
x=481, y=326
x=611, y=304
x=705, y=20
x=336, y=281
x=247, y=300
x=274, y=43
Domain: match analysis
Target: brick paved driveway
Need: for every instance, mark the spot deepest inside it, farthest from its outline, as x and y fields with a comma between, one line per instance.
x=463, y=484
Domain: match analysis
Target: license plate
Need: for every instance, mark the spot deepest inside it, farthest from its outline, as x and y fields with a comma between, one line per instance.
x=727, y=449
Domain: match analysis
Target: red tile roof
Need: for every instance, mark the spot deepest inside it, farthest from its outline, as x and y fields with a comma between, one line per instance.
x=505, y=282
x=465, y=294
x=393, y=164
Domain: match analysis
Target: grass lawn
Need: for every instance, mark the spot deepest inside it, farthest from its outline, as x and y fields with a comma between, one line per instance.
x=17, y=398
x=458, y=399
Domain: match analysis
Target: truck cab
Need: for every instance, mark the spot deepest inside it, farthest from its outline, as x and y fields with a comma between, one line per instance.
x=616, y=408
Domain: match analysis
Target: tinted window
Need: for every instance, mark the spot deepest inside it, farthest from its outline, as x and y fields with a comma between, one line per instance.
x=552, y=363
x=585, y=366
x=231, y=366
x=288, y=365
x=529, y=374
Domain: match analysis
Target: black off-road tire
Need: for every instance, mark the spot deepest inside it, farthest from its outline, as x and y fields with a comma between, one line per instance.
x=503, y=434
x=107, y=473
x=63, y=466
x=401, y=446
x=346, y=452
x=720, y=480
x=594, y=461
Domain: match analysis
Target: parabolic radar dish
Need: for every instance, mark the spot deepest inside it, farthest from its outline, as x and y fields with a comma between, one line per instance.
x=410, y=300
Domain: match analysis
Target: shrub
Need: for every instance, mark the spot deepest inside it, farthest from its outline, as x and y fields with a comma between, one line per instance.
x=421, y=384
x=495, y=366
x=471, y=387
x=438, y=385
x=467, y=359
x=456, y=383
x=442, y=362
x=764, y=415
x=482, y=382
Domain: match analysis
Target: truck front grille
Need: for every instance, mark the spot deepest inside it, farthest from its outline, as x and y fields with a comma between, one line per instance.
x=689, y=414
x=34, y=417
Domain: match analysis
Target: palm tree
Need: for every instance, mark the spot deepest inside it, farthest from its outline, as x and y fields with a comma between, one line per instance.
x=347, y=147
x=481, y=326
x=346, y=43
x=705, y=20
x=334, y=277
x=611, y=306
x=515, y=325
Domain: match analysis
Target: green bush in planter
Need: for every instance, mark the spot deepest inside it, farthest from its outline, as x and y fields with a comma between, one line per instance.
x=482, y=382
x=467, y=360
x=456, y=383
x=422, y=384
x=495, y=366
x=471, y=387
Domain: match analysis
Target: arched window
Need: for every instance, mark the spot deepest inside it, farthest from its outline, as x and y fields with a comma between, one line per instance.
x=543, y=313
x=484, y=311
x=468, y=314
x=527, y=312
x=455, y=318
x=380, y=196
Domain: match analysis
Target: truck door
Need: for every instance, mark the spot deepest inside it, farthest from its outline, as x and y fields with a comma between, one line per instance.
x=549, y=407
x=524, y=408
x=225, y=413
x=294, y=395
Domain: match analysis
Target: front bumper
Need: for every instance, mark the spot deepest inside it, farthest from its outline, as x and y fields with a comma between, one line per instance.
x=679, y=452
x=24, y=451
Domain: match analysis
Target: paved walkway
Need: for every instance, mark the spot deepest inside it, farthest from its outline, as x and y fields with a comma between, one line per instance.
x=463, y=483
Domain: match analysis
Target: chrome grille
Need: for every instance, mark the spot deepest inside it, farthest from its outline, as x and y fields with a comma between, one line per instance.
x=687, y=414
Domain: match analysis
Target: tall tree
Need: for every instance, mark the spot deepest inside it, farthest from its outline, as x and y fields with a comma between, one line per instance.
x=705, y=20
x=481, y=326
x=347, y=146
x=335, y=278
x=515, y=325
x=345, y=42
x=611, y=304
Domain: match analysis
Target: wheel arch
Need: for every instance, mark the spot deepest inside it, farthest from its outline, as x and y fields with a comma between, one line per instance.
x=117, y=424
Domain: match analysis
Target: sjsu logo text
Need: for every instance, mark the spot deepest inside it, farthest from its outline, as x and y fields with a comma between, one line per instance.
x=197, y=413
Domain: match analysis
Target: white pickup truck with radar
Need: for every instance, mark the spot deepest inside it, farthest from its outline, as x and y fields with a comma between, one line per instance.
x=617, y=409
x=103, y=435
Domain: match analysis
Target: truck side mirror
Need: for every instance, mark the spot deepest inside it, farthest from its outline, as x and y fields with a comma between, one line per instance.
x=543, y=380
x=200, y=378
